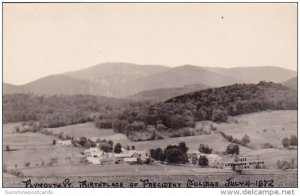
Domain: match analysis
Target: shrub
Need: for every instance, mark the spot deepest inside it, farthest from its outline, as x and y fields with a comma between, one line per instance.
x=286, y=142
x=233, y=149
x=27, y=164
x=267, y=145
x=204, y=149
x=245, y=140
x=278, y=164
x=238, y=169
x=285, y=164
x=294, y=140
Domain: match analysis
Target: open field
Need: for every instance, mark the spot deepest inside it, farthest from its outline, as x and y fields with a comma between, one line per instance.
x=85, y=129
x=262, y=127
x=35, y=149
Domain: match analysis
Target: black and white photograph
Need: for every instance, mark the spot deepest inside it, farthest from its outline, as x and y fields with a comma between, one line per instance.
x=149, y=95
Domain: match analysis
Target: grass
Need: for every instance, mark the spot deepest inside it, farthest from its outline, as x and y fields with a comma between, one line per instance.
x=85, y=129
x=262, y=127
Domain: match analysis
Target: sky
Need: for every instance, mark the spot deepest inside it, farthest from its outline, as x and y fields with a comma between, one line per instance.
x=45, y=39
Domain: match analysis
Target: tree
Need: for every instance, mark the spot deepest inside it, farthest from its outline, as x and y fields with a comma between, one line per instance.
x=173, y=154
x=132, y=147
x=119, y=125
x=182, y=146
x=219, y=115
x=233, y=149
x=118, y=148
x=106, y=147
x=82, y=141
x=204, y=149
x=203, y=161
x=294, y=140
x=245, y=140
x=156, y=153
x=286, y=142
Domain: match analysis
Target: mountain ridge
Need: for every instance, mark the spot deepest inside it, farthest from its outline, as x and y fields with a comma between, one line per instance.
x=125, y=79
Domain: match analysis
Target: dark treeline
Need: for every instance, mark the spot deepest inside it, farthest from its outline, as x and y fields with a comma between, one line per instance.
x=214, y=104
x=56, y=111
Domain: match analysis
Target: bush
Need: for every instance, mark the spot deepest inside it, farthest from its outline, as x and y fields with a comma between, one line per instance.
x=286, y=142
x=245, y=140
x=285, y=164
x=238, y=169
x=204, y=149
x=233, y=149
x=203, y=161
x=27, y=164
x=294, y=140
x=267, y=145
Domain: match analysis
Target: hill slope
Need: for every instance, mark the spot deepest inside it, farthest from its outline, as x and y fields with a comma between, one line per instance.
x=180, y=76
x=62, y=85
x=211, y=104
x=10, y=89
x=256, y=74
x=162, y=94
x=291, y=83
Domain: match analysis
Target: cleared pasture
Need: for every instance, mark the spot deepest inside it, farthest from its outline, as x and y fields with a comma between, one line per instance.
x=88, y=130
x=262, y=127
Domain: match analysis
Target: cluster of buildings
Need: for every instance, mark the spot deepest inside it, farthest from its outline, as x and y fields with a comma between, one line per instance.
x=97, y=156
